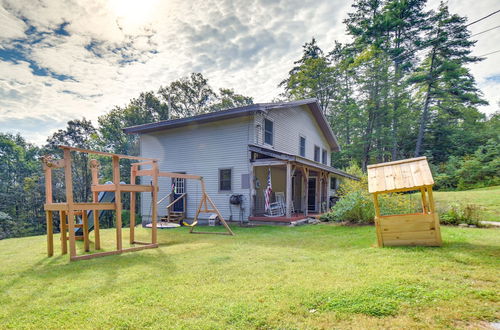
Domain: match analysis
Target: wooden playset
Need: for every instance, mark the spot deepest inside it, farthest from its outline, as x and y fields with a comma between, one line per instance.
x=69, y=210
x=406, y=229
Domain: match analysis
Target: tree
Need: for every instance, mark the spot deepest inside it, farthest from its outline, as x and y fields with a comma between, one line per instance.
x=312, y=76
x=188, y=96
x=80, y=134
x=191, y=96
x=444, y=81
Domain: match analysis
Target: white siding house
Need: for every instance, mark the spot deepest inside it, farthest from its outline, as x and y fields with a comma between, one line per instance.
x=235, y=149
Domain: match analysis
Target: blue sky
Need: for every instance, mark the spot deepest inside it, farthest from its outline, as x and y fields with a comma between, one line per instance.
x=61, y=60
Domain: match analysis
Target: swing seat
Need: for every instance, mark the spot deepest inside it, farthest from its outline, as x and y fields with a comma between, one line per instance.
x=184, y=223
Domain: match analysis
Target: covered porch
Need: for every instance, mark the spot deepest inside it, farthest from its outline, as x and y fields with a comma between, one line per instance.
x=302, y=185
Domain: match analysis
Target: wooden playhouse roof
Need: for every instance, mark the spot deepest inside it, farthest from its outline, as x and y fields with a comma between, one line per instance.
x=399, y=175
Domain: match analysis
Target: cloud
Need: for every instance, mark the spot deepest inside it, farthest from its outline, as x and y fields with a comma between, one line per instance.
x=66, y=60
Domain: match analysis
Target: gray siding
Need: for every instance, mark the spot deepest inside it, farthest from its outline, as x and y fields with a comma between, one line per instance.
x=202, y=150
x=289, y=125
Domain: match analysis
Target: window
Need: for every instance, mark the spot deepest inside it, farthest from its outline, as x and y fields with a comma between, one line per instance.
x=225, y=179
x=316, y=153
x=333, y=183
x=268, y=131
x=323, y=157
x=302, y=146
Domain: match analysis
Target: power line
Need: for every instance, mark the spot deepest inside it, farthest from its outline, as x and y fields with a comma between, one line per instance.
x=479, y=20
x=496, y=51
x=495, y=27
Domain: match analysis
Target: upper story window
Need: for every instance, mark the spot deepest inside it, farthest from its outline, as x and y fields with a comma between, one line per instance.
x=268, y=131
x=225, y=177
x=316, y=154
x=323, y=156
x=302, y=146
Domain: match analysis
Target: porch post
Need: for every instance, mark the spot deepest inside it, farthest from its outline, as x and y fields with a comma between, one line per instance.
x=327, y=186
x=320, y=188
x=306, y=195
x=288, y=190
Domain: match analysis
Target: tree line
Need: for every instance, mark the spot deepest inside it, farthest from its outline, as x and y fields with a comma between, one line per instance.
x=401, y=88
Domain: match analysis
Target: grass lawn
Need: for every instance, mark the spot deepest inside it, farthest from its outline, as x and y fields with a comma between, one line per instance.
x=321, y=276
x=487, y=198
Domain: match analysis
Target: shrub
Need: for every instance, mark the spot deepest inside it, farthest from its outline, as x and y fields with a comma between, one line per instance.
x=456, y=213
x=356, y=204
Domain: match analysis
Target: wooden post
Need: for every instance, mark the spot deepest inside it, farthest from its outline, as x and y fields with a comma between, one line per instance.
x=68, y=180
x=320, y=193
x=50, y=233
x=64, y=232
x=94, y=167
x=133, y=172
x=288, y=195
x=306, y=197
x=435, y=215
x=118, y=202
x=380, y=242
x=425, y=209
x=85, y=228
x=154, y=211
x=48, y=214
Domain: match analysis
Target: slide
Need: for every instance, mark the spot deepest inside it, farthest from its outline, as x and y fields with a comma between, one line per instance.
x=104, y=197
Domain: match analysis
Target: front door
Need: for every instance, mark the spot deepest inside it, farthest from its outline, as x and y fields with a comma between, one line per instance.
x=311, y=194
x=179, y=188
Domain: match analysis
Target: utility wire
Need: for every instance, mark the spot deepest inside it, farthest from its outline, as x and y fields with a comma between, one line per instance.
x=495, y=27
x=496, y=51
x=479, y=20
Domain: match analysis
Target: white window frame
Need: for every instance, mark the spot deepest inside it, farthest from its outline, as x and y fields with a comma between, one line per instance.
x=230, y=180
x=264, y=132
x=300, y=145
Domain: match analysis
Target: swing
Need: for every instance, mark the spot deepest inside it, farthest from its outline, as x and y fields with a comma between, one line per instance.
x=160, y=224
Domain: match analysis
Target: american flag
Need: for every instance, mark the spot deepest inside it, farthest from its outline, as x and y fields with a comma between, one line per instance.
x=269, y=190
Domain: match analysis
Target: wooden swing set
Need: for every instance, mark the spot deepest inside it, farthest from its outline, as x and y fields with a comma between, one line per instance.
x=69, y=210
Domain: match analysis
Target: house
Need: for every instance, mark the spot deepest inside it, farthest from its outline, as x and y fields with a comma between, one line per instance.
x=235, y=149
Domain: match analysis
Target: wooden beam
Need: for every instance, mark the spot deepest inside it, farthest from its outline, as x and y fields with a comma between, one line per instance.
x=94, y=168
x=86, y=242
x=50, y=233
x=64, y=232
x=68, y=180
x=123, y=187
x=133, y=172
x=258, y=163
x=79, y=206
x=380, y=241
x=179, y=175
x=118, y=202
x=110, y=253
x=154, y=204
x=94, y=152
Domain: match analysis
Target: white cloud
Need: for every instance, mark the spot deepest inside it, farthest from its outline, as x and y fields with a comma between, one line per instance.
x=246, y=44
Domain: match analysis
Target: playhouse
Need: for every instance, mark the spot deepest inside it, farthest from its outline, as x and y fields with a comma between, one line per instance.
x=405, y=229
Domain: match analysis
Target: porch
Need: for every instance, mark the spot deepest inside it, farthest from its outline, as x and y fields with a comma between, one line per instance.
x=302, y=186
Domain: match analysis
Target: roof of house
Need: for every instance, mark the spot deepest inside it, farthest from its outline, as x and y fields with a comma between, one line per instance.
x=298, y=159
x=401, y=175
x=240, y=112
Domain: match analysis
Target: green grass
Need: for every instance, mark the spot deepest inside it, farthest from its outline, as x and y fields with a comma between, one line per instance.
x=320, y=276
x=487, y=198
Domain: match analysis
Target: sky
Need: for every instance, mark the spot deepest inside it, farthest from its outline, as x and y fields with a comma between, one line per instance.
x=63, y=60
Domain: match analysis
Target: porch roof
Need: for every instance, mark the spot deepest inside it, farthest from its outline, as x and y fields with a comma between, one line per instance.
x=298, y=159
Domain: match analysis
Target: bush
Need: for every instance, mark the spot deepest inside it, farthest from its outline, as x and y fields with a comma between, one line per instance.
x=356, y=204
x=457, y=213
